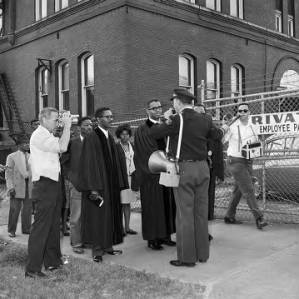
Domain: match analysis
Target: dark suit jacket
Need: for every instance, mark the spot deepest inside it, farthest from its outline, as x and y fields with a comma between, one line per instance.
x=197, y=129
x=71, y=159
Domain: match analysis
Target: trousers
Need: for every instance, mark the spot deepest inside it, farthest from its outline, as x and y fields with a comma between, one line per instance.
x=241, y=170
x=191, y=198
x=44, y=238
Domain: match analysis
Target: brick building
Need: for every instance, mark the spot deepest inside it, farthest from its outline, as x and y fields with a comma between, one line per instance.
x=80, y=55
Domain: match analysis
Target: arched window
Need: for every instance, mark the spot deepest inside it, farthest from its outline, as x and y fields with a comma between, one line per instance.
x=87, y=84
x=237, y=75
x=43, y=77
x=289, y=80
x=186, y=72
x=40, y=9
x=63, y=85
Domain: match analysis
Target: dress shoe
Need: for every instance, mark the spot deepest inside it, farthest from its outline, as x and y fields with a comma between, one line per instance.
x=178, y=263
x=154, y=245
x=35, y=274
x=168, y=242
x=202, y=261
x=232, y=220
x=26, y=233
x=12, y=235
x=97, y=258
x=210, y=238
x=260, y=223
x=131, y=232
x=114, y=252
x=78, y=250
x=53, y=268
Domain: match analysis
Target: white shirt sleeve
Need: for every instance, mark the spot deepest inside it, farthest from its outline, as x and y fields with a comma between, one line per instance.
x=46, y=143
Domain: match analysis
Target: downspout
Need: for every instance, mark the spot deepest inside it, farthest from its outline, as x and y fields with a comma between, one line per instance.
x=11, y=21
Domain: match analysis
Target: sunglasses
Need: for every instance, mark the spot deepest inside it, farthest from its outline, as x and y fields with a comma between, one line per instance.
x=244, y=110
x=155, y=108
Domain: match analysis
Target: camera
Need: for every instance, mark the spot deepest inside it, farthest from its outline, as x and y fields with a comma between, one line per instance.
x=74, y=117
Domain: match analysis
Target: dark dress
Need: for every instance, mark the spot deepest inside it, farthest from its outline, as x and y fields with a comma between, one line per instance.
x=102, y=169
x=157, y=201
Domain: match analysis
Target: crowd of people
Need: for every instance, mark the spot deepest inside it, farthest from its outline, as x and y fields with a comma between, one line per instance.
x=92, y=179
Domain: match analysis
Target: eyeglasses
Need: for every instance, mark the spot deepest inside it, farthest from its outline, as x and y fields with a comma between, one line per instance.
x=108, y=116
x=155, y=108
x=243, y=110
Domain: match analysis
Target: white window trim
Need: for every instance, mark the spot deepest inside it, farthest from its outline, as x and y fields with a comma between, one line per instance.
x=60, y=90
x=236, y=8
x=214, y=5
x=40, y=9
x=278, y=21
x=41, y=95
x=290, y=25
x=236, y=93
x=59, y=5
x=83, y=86
x=191, y=71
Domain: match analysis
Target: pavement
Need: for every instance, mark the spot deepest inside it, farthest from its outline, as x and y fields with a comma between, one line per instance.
x=244, y=263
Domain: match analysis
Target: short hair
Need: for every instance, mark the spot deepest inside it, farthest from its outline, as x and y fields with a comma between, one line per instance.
x=82, y=119
x=22, y=139
x=151, y=101
x=99, y=112
x=242, y=104
x=121, y=128
x=46, y=112
x=33, y=121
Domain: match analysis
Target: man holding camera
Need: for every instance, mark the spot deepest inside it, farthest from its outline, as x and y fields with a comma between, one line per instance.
x=102, y=175
x=44, y=239
x=191, y=196
x=238, y=134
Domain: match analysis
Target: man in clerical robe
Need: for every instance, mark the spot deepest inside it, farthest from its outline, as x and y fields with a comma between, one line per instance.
x=102, y=175
x=157, y=201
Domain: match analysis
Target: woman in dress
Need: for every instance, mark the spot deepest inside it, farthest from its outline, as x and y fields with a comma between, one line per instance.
x=124, y=133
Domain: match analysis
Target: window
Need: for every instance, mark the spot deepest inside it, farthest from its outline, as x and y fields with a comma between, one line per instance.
x=87, y=84
x=61, y=4
x=214, y=4
x=43, y=76
x=213, y=83
x=186, y=72
x=1, y=20
x=290, y=25
x=63, y=86
x=40, y=9
x=236, y=80
x=278, y=21
x=236, y=8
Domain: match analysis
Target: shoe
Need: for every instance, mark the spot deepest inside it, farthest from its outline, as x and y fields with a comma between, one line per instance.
x=97, y=258
x=232, y=220
x=131, y=232
x=114, y=252
x=178, y=263
x=154, y=245
x=202, y=261
x=35, y=274
x=78, y=250
x=210, y=238
x=53, y=268
x=26, y=233
x=260, y=223
x=168, y=242
x=12, y=235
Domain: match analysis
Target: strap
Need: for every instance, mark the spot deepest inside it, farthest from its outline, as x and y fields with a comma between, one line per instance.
x=239, y=139
x=178, y=151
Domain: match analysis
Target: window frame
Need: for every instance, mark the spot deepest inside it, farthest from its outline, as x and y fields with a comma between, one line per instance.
x=85, y=87
x=291, y=25
x=237, y=83
x=238, y=12
x=278, y=20
x=60, y=4
x=190, y=70
x=63, y=93
x=214, y=5
x=41, y=10
x=43, y=81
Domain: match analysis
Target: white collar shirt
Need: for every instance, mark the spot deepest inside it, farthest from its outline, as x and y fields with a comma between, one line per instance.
x=154, y=121
x=44, y=155
x=237, y=136
x=104, y=131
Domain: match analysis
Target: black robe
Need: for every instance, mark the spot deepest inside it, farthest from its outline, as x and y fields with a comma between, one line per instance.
x=157, y=201
x=102, y=169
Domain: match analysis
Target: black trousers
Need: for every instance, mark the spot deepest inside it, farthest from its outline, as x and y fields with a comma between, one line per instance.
x=44, y=238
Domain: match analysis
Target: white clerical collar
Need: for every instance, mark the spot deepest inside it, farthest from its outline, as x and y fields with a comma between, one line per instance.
x=153, y=121
x=104, y=131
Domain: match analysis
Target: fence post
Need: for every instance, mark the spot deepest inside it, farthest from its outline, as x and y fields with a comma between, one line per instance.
x=264, y=162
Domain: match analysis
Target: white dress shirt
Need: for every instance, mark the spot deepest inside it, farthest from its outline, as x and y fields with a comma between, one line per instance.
x=237, y=136
x=105, y=132
x=44, y=155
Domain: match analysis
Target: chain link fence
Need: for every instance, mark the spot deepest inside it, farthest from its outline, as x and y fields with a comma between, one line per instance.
x=276, y=173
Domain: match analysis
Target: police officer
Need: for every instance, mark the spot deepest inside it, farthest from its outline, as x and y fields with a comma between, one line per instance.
x=191, y=196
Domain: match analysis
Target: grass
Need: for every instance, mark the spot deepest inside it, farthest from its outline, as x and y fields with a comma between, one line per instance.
x=85, y=279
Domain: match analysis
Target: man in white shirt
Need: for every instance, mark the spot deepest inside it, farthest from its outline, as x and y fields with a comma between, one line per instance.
x=238, y=134
x=44, y=239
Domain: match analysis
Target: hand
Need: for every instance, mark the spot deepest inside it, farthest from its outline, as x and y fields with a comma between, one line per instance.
x=168, y=113
x=66, y=119
x=12, y=192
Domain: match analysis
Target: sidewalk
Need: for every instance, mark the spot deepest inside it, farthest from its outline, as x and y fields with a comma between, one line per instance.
x=244, y=263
